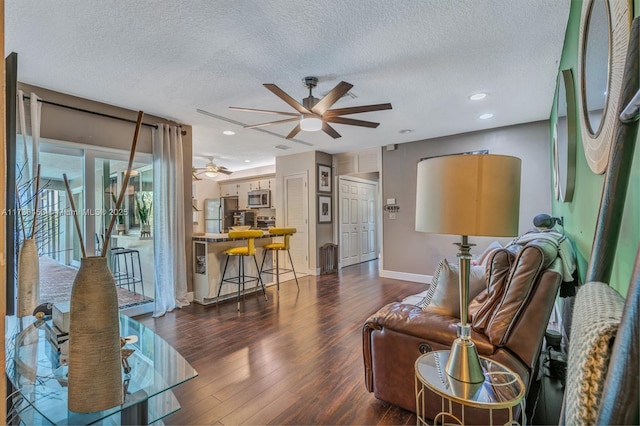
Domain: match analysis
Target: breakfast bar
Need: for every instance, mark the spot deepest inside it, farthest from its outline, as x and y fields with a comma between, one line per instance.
x=208, y=265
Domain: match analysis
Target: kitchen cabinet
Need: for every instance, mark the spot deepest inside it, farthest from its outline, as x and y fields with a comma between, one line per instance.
x=241, y=188
x=227, y=189
x=260, y=184
x=243, y=191
x=265, y=183
x=272, y=186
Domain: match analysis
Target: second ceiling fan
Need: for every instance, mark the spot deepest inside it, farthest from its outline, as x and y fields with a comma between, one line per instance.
x=209, y=170
x=313, y=113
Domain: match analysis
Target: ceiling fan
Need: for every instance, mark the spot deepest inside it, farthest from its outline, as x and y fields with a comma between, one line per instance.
x=209, y=170
x=313, y=113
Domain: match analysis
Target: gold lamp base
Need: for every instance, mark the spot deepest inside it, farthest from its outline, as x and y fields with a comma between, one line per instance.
x=463, y=363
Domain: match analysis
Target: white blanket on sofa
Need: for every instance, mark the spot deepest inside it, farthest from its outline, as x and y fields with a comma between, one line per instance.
x=565, y=249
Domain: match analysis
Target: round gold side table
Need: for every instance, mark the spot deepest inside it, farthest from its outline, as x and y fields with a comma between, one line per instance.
x=501, y=389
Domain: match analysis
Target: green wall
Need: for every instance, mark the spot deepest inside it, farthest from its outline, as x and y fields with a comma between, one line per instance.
x=581, y=213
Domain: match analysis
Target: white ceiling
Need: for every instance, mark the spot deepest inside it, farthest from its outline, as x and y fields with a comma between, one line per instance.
x=172, y=57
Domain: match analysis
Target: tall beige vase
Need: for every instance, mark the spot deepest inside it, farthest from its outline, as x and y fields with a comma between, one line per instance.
x=95, y=369
x=28, y=278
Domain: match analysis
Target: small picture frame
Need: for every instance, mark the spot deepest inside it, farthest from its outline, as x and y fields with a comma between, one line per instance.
x=324, y=208
x=324, y=178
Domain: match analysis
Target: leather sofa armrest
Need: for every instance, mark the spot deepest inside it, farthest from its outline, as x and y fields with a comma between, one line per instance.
x=430, y=326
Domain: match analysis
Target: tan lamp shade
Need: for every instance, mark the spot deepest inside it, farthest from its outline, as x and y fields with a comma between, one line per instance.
x=469, y=195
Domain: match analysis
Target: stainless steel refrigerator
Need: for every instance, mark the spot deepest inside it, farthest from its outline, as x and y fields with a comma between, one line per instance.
x=218, y=214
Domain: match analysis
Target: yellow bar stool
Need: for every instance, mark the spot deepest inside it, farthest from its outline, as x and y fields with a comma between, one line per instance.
x=275, y=247
x=242, y=252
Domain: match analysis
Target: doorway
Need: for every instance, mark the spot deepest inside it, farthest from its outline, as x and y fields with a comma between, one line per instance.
x=95, y=178
x=358, y=220
x=296, y=208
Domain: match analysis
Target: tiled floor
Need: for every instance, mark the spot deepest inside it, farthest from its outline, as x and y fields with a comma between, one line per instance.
x=56, y=281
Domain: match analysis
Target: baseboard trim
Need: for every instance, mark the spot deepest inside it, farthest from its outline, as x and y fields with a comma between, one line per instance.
x=406, y=276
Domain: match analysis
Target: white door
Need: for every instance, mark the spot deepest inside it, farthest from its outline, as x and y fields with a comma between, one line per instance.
x=368, y=249
x=349, y=219
x=358, y=228
x=296, y=209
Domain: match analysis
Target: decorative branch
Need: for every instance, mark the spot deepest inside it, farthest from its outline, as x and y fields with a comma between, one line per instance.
x=35, y=203
x=24, y=197
x=75, y=214
x=125, y=182
x=24, y=232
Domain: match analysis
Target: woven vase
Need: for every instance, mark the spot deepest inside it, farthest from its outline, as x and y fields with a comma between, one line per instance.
x=95, y=369
x=28, y=278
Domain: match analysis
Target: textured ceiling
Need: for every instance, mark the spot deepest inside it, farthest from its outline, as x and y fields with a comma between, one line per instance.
x=173, y=57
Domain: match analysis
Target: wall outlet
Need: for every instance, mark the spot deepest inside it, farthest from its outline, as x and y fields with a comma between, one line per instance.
x=392, y=216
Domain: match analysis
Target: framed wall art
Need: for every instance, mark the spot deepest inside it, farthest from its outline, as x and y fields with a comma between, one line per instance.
x=324, y=178
x=324, y=209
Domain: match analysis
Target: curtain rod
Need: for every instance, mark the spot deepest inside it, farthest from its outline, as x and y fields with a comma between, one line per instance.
x=97, y=113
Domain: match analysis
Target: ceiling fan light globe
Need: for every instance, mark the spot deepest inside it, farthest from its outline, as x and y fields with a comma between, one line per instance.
x=310, y=124
x=211, y=174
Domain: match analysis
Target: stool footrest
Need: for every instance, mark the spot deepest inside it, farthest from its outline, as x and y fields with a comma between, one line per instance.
x=271, y=271
x=236, y=280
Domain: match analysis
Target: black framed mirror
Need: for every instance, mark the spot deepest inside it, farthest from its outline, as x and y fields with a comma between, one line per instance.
x=564, y=141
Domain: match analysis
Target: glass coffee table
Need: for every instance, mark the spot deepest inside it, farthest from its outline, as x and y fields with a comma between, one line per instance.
x=501, y=389
x=39, y=380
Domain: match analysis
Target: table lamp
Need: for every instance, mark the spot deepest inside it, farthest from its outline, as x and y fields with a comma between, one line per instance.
x=467, y=195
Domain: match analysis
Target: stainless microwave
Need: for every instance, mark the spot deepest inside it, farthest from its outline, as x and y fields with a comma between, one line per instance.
x=260, y=198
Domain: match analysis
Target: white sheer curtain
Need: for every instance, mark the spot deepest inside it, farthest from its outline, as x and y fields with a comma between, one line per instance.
x=27, y=155
x=168, y=220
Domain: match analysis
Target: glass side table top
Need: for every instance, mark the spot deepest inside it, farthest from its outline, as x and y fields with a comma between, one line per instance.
x=33, y=367
x=501, y=387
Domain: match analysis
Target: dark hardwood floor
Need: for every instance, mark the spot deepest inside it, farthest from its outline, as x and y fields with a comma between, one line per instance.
x=295, y=359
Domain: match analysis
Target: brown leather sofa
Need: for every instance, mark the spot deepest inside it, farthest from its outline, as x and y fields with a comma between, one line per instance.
x=508, y=319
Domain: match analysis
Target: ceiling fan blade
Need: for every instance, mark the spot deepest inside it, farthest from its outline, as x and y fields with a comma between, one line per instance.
x=287, y=120
x=194, y=176
x=330, y=130
x=351, y=121
x=265, y=111
x=288, y=99
x=223, y=169
x=356, y=110
x=294, y=132
x=331, y=97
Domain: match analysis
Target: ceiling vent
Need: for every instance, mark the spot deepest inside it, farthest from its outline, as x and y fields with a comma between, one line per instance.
x=283, y=147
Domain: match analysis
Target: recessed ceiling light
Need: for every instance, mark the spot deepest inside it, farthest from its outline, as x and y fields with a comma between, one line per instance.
x=486, y=116
x=477, y=96
x=229, y=132
x=247, y=161
x=405, y=131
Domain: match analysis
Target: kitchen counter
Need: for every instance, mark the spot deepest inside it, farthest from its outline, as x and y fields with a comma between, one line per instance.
x=217, y=238
x=208, y=265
